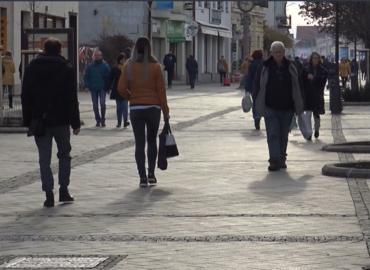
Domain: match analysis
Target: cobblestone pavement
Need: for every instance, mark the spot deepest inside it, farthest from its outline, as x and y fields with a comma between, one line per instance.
x=216, y=207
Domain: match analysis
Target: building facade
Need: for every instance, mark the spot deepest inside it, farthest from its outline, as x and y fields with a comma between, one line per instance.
x=126, y=17
x=169, y=23
x=214, y=37
x=18, y=16
x=276, y=17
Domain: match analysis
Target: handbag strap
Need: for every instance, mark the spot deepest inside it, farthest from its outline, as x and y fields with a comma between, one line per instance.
x=167, y=126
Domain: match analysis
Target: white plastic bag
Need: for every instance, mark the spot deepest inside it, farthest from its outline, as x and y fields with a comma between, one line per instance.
x=305, y=124
x=247, y=102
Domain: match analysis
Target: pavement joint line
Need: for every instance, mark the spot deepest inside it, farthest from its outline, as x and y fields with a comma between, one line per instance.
x=190, y=238
x=31, y=177
x=90, y=215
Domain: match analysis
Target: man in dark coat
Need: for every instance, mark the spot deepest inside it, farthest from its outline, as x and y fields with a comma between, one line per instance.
x=49, y=96
x=192, y=68
x=169, y=62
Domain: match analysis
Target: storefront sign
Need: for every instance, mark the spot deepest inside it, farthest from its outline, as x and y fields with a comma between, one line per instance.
x=215, y=16
x=175, y=32
x=164, y=4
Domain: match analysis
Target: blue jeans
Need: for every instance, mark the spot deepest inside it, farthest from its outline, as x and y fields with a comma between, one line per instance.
x=277, y=129
x=95, y=96
x=62, y=136
x=122, y=110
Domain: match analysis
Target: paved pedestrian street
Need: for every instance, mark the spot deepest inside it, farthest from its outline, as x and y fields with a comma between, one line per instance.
x=216, y=207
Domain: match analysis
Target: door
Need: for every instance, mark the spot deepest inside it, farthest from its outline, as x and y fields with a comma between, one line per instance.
x=173, y=46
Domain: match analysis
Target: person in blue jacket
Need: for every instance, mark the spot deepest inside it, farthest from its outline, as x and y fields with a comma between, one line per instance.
x=96, y=77
x=257, y=59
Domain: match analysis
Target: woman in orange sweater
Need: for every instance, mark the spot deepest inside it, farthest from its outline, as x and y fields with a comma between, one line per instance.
x=142, y=83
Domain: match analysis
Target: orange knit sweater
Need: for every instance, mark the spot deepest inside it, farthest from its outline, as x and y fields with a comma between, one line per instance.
x=152, y=92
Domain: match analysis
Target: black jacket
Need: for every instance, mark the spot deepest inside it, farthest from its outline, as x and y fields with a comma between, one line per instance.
x=314, y=90
x=112, y=82
x=192, y=66
x=169, y=61
x=50, y=86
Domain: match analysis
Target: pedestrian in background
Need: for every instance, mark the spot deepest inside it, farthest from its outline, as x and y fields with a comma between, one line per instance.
x=121, y=103
x=142, y=84
x=222, y=68
x=192, y=68
x=255, y=63
x=278, y=94
x=49, y=98
x=344, y=70
x=8, y=75
x=314, y=78
x=244, y=68
x=96, y=78
x=169, y=62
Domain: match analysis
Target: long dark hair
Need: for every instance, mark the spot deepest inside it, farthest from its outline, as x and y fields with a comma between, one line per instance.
x=120, y=57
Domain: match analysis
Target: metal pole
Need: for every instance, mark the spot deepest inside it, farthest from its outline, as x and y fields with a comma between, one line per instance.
x=1, y=91
x=336, y=108
x=194, y=36
x=246, y=52
x=150, y=20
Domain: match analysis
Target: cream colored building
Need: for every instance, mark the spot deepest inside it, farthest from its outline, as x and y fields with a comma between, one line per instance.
x=257, y=17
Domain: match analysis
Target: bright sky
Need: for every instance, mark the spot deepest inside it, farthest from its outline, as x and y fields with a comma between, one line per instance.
x=293, y=9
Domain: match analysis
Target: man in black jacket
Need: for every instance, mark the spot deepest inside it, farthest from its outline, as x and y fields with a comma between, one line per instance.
x=192, y=68
x=169, y=62
x=49, y=96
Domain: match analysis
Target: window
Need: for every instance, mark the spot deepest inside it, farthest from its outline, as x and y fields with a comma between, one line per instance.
x=207, y=4
x=259, y=42
x=59, y=23
x=220, y=5
x=50, y=22
x=227, y=7
x=199, y=3
x=213, y=4
x=41, y=21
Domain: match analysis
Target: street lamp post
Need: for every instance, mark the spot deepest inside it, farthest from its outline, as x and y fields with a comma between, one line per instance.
x=335, y=92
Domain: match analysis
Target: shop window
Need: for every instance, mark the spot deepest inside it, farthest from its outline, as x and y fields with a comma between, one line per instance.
x=41, y=21
x=59, y=23
x=50, y=22
x=205, y=53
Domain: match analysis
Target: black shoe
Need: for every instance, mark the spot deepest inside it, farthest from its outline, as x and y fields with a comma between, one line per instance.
x=317, y=134
x=126, y=124
x=283, y=165
x=309, y=138
x=151, y=179
x=49, y=202
x=97, y=124
x=118, y=125
x=143, y=182
x=103, y=123
x=274, y=166
x=65, y=196
x=257, y=124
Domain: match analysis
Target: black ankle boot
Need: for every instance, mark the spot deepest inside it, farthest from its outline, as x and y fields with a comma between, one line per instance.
x=274, y=165
x=257, y=124
x=64, y=195
x=11, y=102
x=49, y=202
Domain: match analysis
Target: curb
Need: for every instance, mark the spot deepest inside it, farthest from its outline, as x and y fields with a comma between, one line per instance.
x=346, y=172
x=349, y=147
x=20, y=130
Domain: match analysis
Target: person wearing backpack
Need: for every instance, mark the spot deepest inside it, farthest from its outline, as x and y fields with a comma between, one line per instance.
x=222, y=69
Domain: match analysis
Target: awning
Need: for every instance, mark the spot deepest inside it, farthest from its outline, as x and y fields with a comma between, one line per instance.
x=209, y=31
x=224, y=33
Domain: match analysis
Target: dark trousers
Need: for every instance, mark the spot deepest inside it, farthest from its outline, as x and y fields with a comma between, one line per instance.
x=149, y=119
x=277, y=130
x=344, y=81
x=169, y=76
x=222, y=76
x=62, y=136
x=192, y=78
